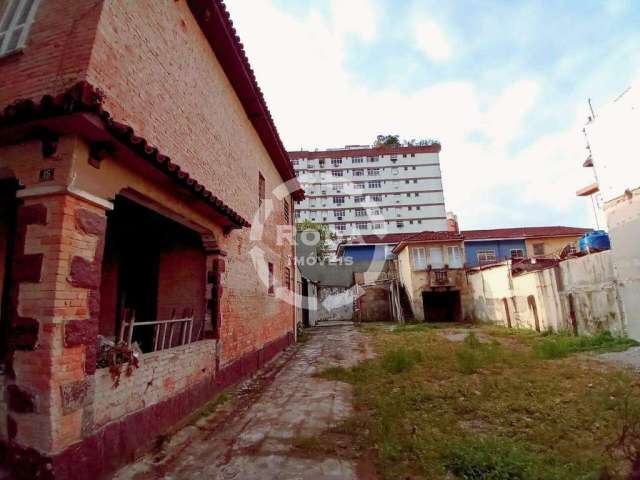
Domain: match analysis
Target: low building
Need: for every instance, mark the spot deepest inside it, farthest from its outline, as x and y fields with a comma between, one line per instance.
x=136, y=152
x=432, y=276
x=499, y=244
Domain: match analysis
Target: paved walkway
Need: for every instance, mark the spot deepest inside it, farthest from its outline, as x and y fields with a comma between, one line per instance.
x=253, y=435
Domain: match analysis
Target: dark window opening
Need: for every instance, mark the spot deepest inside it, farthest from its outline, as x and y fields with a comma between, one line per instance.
x=154, y=269
x=271, y=280
x=261, y=189
x=287, y=278
x=8, y=209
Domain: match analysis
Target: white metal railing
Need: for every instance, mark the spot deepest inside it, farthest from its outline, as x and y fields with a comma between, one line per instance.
x=163, y=331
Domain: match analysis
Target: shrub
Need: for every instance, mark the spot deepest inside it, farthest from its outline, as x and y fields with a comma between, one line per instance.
x=401, y=359
x=559, y=346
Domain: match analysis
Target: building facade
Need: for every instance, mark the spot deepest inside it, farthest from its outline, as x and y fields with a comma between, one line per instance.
x=136, y=152
x=366, y=190
x=432, y=277
x=495, y=245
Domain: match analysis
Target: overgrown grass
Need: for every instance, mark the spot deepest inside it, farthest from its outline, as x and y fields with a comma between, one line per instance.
x=497, y=458
x=560, y=346
x=491, y=409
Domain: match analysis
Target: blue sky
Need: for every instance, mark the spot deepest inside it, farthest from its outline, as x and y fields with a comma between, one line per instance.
x=503, y=85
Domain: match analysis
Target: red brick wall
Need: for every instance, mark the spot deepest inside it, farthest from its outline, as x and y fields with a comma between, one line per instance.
x=160, y=75
x=57, y=51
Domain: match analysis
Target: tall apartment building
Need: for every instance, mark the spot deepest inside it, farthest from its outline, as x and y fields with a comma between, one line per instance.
x=372, y=190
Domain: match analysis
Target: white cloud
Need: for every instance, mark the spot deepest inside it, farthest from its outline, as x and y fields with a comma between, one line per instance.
x=432, y=40
x=354, y=16
x=316, y=103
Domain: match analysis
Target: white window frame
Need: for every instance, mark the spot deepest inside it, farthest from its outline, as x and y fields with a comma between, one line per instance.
x=13, y=26
x=376, y=198
x=362, y=225
x=360, y=212
x=359, y=172
x=419, y=258
x=373, y=172
x=454, y=256
x=338, y=200
x=359, y=199
x=377, y=226
x=436, y=262
x=521, y=256
x=340, y=227
x=356, y=160
x=375, y=184
x=483, y=256
x=358, y=185
x=336, y=161
x=337, y=173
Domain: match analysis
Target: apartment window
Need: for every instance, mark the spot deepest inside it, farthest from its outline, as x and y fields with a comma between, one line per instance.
x=416, y=194
x=410, y=222
x=16, y=18
x=517, y=253
x=358, y=173
x=394, y=158
x=374, y=172
x=356, y=160
x=435, y=257
x=287, y=278
x=358, y=199
x=297, y=214
x=538, y=248
x=375, y=211
x=406, y=181
x=410, y=208
x=361, y=212
x=415, y=181
x=377, y=226
x=336, y=161
x=376, y=198
x=404, y=155
x=361, y=225
x=372, y=159
x=419, y=257
x=413, y=154
x=337, y=173
x=321, y=163
x=408, y=194
x=413, y=168
x=420, y=222
x=486, y=256
x=454, y=255
x=271, y=289
x=338, y=200
x=341, y=227
x=399, y=224
x=261, y=189
x=358, y=185
x=285, y=210
x=294, y=163
x=375, y=184
x=335, y=187
x=395, y=171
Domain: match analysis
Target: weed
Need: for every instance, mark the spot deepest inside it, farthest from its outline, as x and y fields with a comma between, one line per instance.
x=500, y=459
x=471, y=340
x=562, y=345
x=468, y=360
x=401, y=360
x=414, y=328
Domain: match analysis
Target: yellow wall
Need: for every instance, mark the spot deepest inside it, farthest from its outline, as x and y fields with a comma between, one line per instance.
x=552, y=245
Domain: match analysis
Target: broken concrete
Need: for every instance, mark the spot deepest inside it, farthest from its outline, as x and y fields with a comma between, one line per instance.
x=254, y=435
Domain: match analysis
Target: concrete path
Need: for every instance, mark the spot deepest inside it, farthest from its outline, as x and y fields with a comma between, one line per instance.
x=254, y=435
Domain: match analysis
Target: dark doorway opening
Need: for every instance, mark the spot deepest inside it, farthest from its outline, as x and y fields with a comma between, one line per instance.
x=442, y=306
x=305, y=303
x=8, y=210
x=153, y=269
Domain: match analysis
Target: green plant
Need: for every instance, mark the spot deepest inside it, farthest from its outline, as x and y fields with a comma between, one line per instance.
x=401, y=360
x=561, y=345
x=499, y=459
x=468, y=360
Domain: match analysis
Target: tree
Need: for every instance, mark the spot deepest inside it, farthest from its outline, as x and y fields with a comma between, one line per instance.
x=325, y=235
x=387, y=141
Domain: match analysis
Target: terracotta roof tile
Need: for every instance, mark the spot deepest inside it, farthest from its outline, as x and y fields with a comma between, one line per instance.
x=523, y=232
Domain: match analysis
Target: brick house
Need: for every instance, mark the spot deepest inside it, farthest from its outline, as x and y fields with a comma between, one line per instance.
x=135, y=150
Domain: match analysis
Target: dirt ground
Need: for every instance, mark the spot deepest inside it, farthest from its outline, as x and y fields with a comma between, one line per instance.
x=258, y=432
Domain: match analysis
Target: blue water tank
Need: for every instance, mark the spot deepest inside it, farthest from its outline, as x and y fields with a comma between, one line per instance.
x=595, y=241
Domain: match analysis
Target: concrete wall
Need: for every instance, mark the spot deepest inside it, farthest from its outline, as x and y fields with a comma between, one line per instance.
x=335, y=303
x=578, y=295
x=623, y=219
x=551, y=245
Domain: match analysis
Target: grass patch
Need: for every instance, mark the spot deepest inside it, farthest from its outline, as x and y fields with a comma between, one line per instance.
x=401, y=359
x=424, y=416
x=414, y=327
x=501, y=459
x=560, y=346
